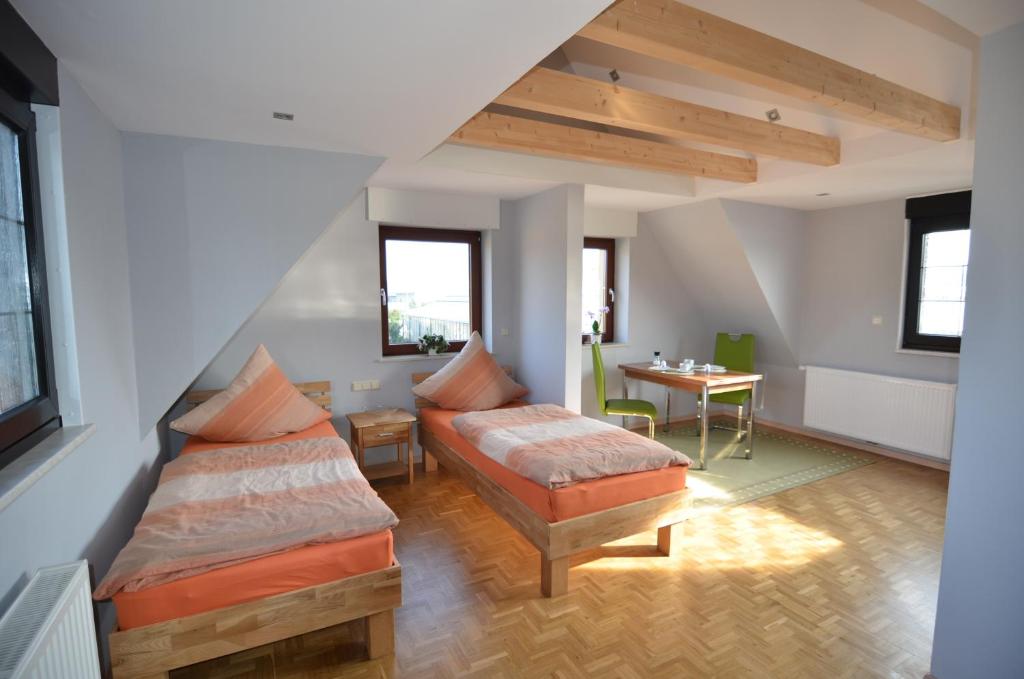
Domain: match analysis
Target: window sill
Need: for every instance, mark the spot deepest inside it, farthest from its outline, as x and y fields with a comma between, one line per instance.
x=925, y=352
x=417, y=357
x=609, y=345
x=22, y=474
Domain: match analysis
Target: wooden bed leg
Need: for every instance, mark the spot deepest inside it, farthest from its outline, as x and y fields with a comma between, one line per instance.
x=429, y=462
x=665, y=540
x=554, y=576
x=380, y=633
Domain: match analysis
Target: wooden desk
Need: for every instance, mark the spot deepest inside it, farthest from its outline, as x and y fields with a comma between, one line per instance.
x=697, y=383
x=383, y=428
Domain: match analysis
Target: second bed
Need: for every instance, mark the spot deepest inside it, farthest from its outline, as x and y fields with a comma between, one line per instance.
x=560, y=521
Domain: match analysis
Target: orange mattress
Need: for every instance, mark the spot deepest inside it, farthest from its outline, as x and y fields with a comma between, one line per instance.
x=259, y=578
x=561, y=503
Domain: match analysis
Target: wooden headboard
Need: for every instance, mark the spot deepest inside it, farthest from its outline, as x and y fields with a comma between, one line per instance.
x=419, y=377
x=318, y=392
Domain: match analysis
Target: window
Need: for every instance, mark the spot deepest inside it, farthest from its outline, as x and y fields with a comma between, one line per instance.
x=28, y=398
x=936, y=285
x=430, y=283
x=599, y=287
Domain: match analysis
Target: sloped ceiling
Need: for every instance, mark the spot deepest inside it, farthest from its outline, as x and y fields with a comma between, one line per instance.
x=981, y=17
x=214, y=224
x=739, y=261
x=212, y=228
x=380, y=77
x=773, y=241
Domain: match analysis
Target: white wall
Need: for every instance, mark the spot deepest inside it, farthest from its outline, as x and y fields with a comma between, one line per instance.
x=323, y=322
x=501, y=298
x=980, y=616
x=88, y=504
x=212, y=228
x=435, y=209
x=854, y=271
x=773, y=239
x=806, y=283
x=655, y=314
x=604, y=222
x=711, y=262
x=542, y=237
x=738, y=263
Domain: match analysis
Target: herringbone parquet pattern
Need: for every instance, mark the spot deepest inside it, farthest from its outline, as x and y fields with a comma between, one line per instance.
x=837, y=578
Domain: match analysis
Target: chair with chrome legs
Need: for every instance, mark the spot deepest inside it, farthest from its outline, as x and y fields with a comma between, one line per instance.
x=627, y=407
x=735, y=352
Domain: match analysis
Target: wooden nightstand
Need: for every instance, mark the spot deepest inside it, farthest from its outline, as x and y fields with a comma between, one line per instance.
x=390, y=427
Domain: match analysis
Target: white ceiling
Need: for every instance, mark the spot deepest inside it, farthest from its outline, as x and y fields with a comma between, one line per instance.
x=380, y=77
x=395, y=78
x=981, y=17
x=877, y=164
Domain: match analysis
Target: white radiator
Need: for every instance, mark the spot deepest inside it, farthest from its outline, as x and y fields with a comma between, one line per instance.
x=913, y=415
x=48, y=633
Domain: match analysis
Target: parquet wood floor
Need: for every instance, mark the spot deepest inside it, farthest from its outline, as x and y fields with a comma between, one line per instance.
x=837, y=578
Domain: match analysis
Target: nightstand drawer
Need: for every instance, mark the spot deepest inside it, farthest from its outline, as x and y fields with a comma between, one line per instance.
x=385, y=433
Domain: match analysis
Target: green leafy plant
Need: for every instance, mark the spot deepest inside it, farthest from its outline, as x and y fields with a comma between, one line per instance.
x=395, y=334
x=435, y=342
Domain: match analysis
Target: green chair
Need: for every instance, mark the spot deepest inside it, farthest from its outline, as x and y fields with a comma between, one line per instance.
x=626, y=407
x=735, y=352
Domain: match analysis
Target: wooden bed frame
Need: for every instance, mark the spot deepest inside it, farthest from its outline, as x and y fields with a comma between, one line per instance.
x=556, y=541
x=152, y=651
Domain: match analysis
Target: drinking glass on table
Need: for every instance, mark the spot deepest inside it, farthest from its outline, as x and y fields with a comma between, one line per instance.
x=686, y=365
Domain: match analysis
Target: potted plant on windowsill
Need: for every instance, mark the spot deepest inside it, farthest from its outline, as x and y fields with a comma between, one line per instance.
x=596, y=316
x=432, y=344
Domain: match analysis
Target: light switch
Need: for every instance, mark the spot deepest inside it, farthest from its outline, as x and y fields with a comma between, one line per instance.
x=876, y=320
x=366, y=385
x=505, y=332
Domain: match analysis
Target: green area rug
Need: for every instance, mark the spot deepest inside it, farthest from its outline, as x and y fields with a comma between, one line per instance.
x=780, y=462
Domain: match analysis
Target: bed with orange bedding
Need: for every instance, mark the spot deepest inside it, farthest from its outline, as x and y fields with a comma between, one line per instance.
x=263, y=599
x=558, y=521
x=555, y=504
x=259, y=578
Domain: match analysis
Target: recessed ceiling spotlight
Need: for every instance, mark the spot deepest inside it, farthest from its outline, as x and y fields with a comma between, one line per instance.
x=819, y=195
x=773, y=115
x=614, y=75
x=283, y=116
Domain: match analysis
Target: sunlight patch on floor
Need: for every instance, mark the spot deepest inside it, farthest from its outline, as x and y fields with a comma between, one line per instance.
x=742, y=537
x=701, y=489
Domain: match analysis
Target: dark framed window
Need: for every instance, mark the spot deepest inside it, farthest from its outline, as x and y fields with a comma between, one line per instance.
x=599, y=287
x=430, y=283
x=938, y=246
x=28, y=395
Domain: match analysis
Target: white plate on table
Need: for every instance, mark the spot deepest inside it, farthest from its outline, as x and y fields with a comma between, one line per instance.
x=671, y=371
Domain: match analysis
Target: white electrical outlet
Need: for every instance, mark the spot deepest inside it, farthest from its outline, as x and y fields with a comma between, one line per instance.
x=357, y=386
x=876, y=320
x=505, y=332
x=372, y=385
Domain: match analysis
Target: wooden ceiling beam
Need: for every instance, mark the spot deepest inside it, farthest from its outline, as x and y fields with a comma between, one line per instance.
x=670, y=31
x=502, y=132
x=571, y=96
